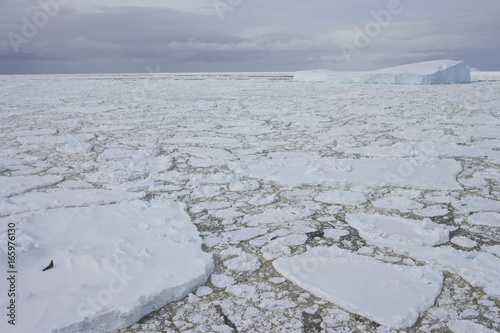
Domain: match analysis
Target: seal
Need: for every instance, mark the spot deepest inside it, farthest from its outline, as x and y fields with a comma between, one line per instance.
x=49, y=266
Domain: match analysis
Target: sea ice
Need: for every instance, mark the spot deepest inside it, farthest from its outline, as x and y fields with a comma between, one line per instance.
x=341, y=198
x=34, y=201
x=294, y=170
x=467, y=326
x=398, y=203
x=477, y=204
x=113, y=264
x=480, y=269
x=491, y=219
x=389, y=294
x=429, y=72
x=10, y=186
x=397, y=231
x=243, y=262
x=463, y=242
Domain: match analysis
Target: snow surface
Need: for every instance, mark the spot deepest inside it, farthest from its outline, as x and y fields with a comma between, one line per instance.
x=391, y=295
x=429, y=72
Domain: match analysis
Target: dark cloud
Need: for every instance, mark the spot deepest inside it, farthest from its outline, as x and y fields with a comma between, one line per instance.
x=280, y=35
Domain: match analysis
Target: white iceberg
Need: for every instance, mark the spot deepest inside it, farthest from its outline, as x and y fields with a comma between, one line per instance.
x=392, y=295
x=429, y=72
x=112, y=265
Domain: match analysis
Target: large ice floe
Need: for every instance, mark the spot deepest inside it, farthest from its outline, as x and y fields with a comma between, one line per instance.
x=312, y=169
x=429, y=72
x=392, y=295
x=112, y=264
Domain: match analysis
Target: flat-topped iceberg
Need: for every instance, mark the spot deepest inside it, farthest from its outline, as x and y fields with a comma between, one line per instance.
x=429, y=72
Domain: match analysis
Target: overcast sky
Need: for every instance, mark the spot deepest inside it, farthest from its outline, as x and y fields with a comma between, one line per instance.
x=105, y=36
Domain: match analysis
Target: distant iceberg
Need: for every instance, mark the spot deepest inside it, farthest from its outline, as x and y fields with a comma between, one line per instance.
x=429, y=72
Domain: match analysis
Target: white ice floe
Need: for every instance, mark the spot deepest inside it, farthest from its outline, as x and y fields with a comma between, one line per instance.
x=243, y=234
x=70, y=140
x=259, y=200
x=392, y=295
x=432, y=211
x=463, y=242
x=397, y=231
x=397, y=203
x=243, y=261
x=296, y=170
x=203, y=291
x=247, y=185
x=341, y=198
x=35, y=201
x=480, y=269
x=429, y=72
x=494, y=249
x=335, y=233
x=467, y=326
x=130, y=169
x=477, y=204
x=10, y=186
x=276, y=215
x=222, y=280
x=113, y=264
x=491, y=219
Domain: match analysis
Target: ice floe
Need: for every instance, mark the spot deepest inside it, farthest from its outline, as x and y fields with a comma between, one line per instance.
x=295, y=171
x=113, y=264
x=389, y=294
x=10, y=186
x=342, y=198
x=396, y=231
x=491, y=219
x=480, y=269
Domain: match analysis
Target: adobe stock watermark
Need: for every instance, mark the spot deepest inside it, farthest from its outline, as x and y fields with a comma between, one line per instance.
x=31, y=25
x=104, y=297
x=224, y=6
x=372, y=29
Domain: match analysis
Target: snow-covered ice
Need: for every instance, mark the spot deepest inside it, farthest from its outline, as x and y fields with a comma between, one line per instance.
x=463, y=242
x=480, y=269
x=315, y=170
x=392, y=295
x=491, y=219
x=467, y=326
x=342, y=198
x=397, y=231
x=113, y=264
x=429, y=72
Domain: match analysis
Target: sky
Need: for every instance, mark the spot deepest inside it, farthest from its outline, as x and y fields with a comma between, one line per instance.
x=140, y=36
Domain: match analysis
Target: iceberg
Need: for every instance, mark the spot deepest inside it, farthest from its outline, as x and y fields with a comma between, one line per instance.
x=429, y=72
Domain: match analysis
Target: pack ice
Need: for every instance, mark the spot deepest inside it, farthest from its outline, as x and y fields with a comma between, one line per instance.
x=113, y=264
x=429, y=72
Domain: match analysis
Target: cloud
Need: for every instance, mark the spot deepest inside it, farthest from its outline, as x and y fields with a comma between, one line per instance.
x=179, y=35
